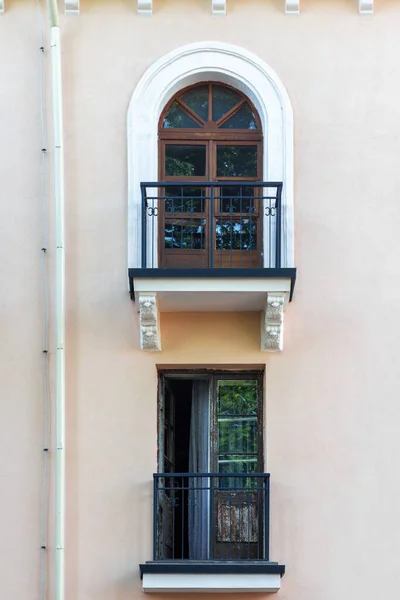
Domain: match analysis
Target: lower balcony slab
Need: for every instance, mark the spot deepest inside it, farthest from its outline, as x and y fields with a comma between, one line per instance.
x=211, y=577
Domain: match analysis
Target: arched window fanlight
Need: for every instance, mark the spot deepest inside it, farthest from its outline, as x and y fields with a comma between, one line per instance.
x=211, y=107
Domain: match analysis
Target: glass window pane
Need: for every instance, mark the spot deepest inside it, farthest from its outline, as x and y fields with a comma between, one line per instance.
x=236, y=161
x=197, y=100
x=238, y=397
x=223, y=100
x=186, y=234
x=236, y=234
x=184, y=199
x=242, y=119
x=231, y=463
x=238, y=199
x=185, y=161
x=238, y=465
x=176, y=117
x=237, y=434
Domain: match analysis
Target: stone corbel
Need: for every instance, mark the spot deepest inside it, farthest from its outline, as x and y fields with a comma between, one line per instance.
x=272, y=322
x=292, y=7
x=219, y=7
x=145, y=7
x=366, y=7
x=71, y=7
x=1, y=7
x=150, y=335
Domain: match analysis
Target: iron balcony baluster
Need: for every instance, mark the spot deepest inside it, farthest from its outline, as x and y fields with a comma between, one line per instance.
x=185, y=232
x=232, y=509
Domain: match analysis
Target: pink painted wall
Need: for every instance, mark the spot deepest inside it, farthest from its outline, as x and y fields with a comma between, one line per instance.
x=331, y=396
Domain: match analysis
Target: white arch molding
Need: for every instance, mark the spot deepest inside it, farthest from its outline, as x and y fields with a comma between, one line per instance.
x=210, y=61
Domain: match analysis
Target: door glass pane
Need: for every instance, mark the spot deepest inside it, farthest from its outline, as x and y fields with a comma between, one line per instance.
x=236, y=161
x=237, y=434
x=188, y=234
x=185, y=161
x=237, y=405
x=238, y=397
x=223, y=100
x=242, y=119
x=236, y=234
x=197, y=100
x=176, y=117
x=184, y=199
x=238, y=199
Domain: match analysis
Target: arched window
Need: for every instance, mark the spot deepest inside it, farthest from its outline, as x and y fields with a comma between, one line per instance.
x=210, y=135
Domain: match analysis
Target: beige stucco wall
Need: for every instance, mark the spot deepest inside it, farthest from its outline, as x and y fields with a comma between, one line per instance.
x=331, y=397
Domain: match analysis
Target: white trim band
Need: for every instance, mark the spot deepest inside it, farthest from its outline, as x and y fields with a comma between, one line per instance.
x=210, y=582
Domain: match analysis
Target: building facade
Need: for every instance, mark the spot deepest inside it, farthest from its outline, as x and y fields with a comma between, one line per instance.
x=231, y=242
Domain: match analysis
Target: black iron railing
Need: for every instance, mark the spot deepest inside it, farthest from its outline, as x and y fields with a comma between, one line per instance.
x=211, y=516
x=227, y=224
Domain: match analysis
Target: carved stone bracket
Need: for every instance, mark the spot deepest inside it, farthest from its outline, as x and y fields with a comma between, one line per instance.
x=150, y=335
x=366, y=7
x=292, y=7
x=272, y=322
x=219, y=7
x=145, y=7
x=72, y=7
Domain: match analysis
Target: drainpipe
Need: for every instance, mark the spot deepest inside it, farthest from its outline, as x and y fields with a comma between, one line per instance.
x=59, y=577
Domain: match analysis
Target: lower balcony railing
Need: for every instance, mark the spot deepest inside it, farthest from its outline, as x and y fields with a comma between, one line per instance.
x=211, y=517
x=217, y=225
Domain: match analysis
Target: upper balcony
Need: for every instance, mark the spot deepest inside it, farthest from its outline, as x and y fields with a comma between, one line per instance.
x=211, y=246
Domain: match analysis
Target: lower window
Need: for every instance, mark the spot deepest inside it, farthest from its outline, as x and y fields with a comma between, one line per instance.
x=211, y=495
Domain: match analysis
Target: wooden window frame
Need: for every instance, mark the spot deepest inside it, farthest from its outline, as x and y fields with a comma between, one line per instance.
x=212, y=137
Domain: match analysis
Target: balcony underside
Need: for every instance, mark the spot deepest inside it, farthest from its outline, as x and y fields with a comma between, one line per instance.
x=211, y=577
x=212, y=290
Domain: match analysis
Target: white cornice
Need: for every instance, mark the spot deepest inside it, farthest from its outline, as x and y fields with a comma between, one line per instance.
x=72, y=7
x=219, y=7
x=292, y=7
x=366, y=7
x=145, y=7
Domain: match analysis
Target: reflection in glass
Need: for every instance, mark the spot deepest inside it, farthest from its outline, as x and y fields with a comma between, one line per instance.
x=237, y=431
x=184, y=199
x=197, y=100
x=238, y=199
x=242, y=119
x=231, y=463
x=237, y=397
x=237, y=434
x=236, y=161
x=185, y=161
x=223, y=100
x=186, y=234
x=236, y=234
x=176, y=117
x=236, y=463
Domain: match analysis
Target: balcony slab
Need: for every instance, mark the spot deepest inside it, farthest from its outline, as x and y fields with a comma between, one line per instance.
x=212, y=290
x=211, y=577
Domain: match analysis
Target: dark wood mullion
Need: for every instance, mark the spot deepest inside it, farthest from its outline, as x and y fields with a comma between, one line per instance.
x=231, y=112
x=210, y=101
x=228, y=135
x=191, y=112
x=234, y=179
